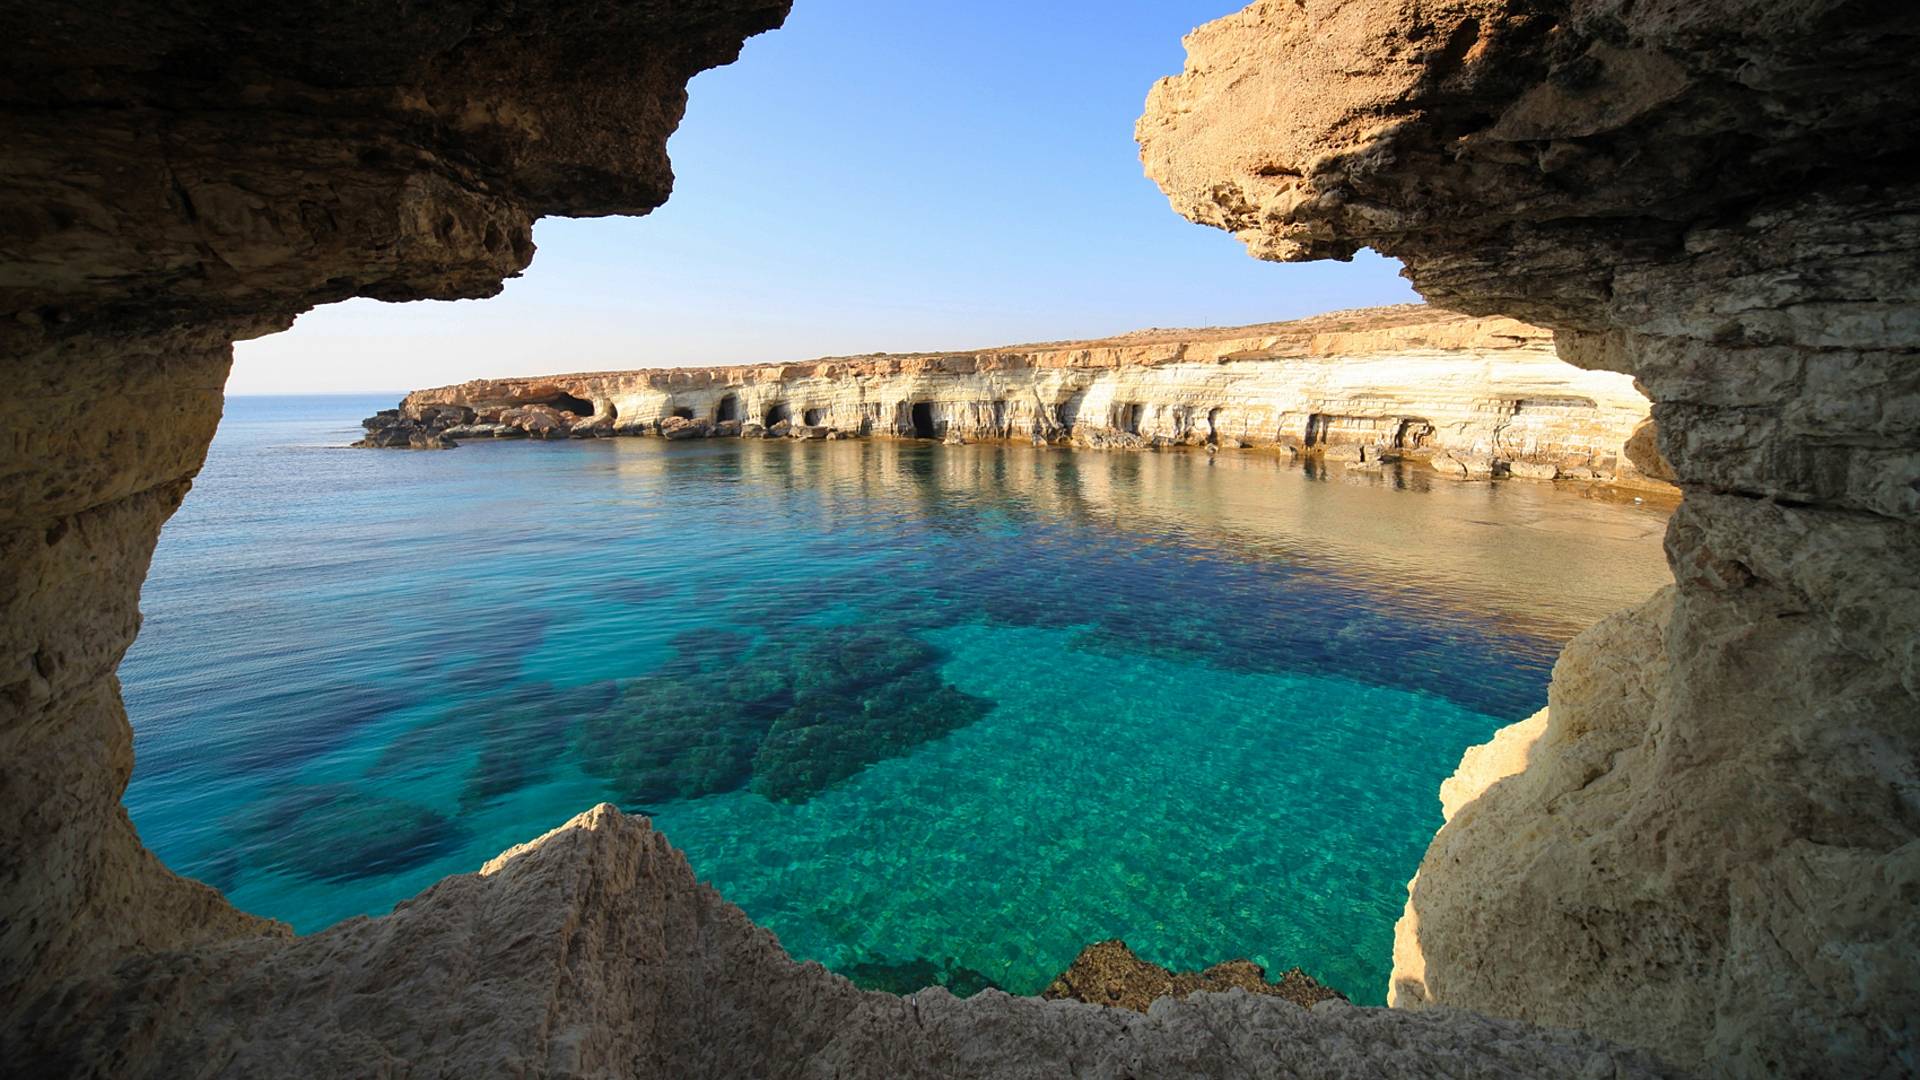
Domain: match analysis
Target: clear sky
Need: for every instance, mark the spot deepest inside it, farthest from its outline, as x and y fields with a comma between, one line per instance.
x=875, y=177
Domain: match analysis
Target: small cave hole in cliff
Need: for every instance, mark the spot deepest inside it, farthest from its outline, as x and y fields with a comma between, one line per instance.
x=778, y=412
x=568, y=403
x=1412, y=434
x=729, y=409
x=922, y=414
x=1127, y=418
x=1317, y=425
x=1068, y=411
x=683, y=413
x=813, y=417
x=1213, y=424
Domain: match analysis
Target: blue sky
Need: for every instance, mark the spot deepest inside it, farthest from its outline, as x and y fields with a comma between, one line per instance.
x=873, y=177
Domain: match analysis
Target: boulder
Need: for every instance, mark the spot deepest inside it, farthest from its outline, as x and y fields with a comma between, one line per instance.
x=679, y=427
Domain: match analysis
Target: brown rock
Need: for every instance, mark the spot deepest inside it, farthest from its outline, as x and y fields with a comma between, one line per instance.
x=1108, y=973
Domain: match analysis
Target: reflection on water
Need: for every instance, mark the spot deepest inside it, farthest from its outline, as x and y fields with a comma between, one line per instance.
x=927, y=712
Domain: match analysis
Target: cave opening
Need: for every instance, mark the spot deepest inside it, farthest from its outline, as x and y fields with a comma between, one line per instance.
x=1068, y=411
x=1127, y=419
x=922, y=417
x=1317, y=424
x=1412, y=433
x=683, y=413
x=729, y=409
x=813, y=417
x=1000, y=418
x=778, y=412
x=1213, y=424
x=566, y=402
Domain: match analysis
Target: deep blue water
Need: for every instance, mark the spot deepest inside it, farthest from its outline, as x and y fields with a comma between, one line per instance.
x=923, y=711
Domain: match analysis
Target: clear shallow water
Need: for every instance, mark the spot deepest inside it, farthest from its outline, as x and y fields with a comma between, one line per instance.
x=926, y=712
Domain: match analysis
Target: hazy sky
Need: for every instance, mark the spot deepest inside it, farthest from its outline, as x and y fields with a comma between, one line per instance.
x=876, y=176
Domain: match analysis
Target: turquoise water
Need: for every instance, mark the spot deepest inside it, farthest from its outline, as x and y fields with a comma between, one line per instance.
x=928, y=713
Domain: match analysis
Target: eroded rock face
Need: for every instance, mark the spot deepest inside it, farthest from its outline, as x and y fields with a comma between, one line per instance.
x=1711, y=849
x=1409, y=379
x=593, y=951
x=176, y=178
x=173, y=178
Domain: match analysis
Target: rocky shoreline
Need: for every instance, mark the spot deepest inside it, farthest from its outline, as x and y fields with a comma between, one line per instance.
x=1472, y=398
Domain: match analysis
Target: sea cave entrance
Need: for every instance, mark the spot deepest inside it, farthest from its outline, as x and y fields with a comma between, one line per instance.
x=778, y=412
x=568, y=403
x=729, y=409
x=813, y=417
x=922, y=418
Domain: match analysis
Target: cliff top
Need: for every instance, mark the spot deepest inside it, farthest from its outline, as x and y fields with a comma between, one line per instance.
x=1352, y=332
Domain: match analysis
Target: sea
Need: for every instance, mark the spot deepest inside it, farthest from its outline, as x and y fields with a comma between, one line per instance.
x=932, y=714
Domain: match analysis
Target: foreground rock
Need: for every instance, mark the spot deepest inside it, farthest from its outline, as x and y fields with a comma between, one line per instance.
x=1351, y=385
x=593, y=951
x=1711, y=843
x=180, y=176
x=1108, y=973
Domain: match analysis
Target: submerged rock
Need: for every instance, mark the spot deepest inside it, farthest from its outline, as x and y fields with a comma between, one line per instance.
x=1108, y=973
x=920, y=973
x=336, y=832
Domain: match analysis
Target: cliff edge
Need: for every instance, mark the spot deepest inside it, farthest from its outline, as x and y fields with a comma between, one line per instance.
x=1368, y=385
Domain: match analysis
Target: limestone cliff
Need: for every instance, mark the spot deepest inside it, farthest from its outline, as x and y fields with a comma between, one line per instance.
x=1409, y=380
x=1712, y=847
x=175, y=177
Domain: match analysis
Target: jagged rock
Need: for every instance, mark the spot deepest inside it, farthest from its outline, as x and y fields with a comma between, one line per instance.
x=1712, y=848
x=753, y=431
x=808, y=431
x=180, y=177
x=780, y=430
x=1108, y=973
x=728, y=429
x=594, y=951
x=1533, y=470
x=953, y=439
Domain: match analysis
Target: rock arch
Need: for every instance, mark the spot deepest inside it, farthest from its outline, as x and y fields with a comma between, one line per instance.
x=1591, y=168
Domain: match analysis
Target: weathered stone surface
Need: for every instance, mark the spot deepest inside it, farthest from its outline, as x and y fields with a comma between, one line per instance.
x=1711, y=848
x=175, y=177
x=1108, y=973
x=1408, y=379
x=593, y=951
